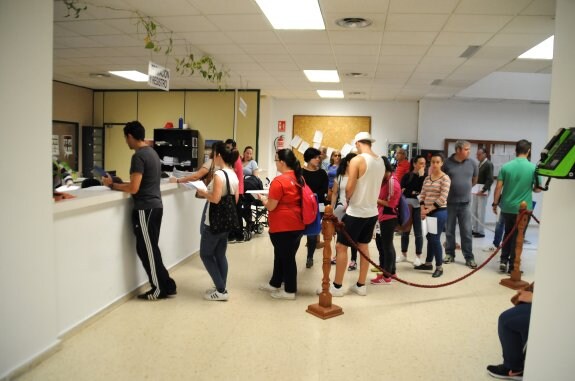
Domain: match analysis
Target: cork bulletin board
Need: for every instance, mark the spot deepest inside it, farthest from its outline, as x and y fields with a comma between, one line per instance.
x=337, y=130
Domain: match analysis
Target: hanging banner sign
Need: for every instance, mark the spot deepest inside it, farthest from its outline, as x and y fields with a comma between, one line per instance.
x=158, y=76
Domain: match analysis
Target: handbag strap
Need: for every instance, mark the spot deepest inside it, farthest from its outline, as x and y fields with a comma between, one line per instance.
x=227, y=181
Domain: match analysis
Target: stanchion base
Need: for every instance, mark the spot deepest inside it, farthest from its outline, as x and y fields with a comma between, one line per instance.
x=324, y=312
x=513, y=284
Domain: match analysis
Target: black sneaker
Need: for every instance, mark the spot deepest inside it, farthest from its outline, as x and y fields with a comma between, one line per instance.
x=448, y=259
x=150, y=296
x=479, y=235
x=171, y=292
x=309, y=263
x=423, y=266
x=503, y=373
x=502, y=267
x=437, y=273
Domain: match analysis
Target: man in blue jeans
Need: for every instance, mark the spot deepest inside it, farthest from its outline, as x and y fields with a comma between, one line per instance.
x=515, y=184
x=463, y=174
x=513, y=331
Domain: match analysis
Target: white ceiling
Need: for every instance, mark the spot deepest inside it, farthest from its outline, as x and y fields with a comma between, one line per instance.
x=410, y=44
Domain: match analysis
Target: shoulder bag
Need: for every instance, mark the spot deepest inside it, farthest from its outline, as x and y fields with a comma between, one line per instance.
x=224, y=215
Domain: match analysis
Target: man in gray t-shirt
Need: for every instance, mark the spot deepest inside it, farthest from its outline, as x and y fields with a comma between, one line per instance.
x=144, y=186
x=463, y=174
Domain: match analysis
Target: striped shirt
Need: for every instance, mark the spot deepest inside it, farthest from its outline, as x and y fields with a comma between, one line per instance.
x=434, y=192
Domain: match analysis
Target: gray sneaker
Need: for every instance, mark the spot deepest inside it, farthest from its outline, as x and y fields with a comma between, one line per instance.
x=471, y=263
x=449, y=259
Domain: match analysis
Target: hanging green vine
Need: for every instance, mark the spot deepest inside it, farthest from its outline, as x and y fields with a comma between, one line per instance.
x=187, y=65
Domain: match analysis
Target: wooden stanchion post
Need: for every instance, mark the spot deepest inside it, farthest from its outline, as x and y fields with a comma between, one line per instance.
x=324, y=309
x=515, y=281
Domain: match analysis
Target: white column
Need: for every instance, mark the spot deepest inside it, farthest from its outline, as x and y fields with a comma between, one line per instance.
x=28, y=311
x=552, y=331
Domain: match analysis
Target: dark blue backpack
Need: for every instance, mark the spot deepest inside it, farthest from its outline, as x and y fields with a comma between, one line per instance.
x=403, y=215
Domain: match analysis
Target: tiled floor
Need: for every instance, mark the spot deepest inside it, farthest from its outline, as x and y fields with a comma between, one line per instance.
x=395, y=333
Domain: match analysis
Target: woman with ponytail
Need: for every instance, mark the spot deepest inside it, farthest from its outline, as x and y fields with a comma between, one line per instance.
x=285, y=224
x=213, y=246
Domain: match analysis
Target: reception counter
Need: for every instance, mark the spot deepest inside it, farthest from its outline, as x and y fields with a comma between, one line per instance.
x=97, y=264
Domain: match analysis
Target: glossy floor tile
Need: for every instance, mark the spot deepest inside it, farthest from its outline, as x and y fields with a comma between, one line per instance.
x=396, y=332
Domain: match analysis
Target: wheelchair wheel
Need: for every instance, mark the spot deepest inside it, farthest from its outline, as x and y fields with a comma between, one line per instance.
x=247, y=235
x=259, y=228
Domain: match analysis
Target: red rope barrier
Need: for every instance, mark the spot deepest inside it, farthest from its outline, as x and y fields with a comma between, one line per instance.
x=340, y=228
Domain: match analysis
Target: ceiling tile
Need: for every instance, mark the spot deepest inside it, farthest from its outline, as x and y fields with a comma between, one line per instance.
x=462, y=39
x=540, y=8
x=360, y=50
x=415, y=22
x=399, y=60
x=408, y=38
x=249, y=37
x=525, y=66
x=163, y=8
x=211, y=7
x=491, y=7
x=527, y=41
x=476, y=23
x=240, y=22
x=403, y=50
x=303, y=36
x=187, y=23
x=371, y=6
x=355, y=37
x=206, y=38
x=423, y=6
x=308, y=49
x=531, y=24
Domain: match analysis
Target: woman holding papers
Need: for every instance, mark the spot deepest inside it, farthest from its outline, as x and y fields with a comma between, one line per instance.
x=213, y=245
x=433, y=200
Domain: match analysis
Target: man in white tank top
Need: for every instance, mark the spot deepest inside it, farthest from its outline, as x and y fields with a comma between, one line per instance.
x=366, y=172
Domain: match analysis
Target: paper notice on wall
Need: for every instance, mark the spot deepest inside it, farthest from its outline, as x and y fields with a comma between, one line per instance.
x=316, y=145
x=303, y=146
x=295, y=142
x=318, y=137
x=329, y=152
x=346, y=149
x=55, y=145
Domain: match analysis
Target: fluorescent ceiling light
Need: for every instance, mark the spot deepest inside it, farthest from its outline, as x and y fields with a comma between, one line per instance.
x=330, y=93
x=322, y=75
x=292, y=14
x=132, y=75
x=543, y=51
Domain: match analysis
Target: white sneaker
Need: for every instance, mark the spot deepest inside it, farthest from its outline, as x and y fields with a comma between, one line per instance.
x=217, y=296
x=210, y=290
x=362, y=291
x=490, y=249
x=417, y=261
x=400, y=258
x=268, y=287
x=281, y=294
x=338, y=292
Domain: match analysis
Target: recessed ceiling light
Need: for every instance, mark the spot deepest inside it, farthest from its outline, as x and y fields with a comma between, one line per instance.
x=292, y=14
x=353, y=22
x=356, y=93
x=321, y=75
x=355, y=75
x=330, y=93
x=543, y=51
x=132, y=75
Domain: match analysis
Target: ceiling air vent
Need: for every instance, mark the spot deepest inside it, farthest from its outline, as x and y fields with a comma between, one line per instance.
x=353, y=22
x=470, y=51
x=436, y=82
x=355, y=75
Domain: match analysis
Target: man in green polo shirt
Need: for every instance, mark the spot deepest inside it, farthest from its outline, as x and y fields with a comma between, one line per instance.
x=515, y=183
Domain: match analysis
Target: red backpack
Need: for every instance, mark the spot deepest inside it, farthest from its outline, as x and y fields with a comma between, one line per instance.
x=309, y=207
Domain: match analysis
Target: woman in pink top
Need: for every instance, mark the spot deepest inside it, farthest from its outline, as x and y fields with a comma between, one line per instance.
x=387, y=218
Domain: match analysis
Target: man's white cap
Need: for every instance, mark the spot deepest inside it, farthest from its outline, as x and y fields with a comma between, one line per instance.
x=363, y=136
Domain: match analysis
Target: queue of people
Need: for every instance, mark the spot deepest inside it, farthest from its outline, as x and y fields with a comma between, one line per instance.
x=365, y=194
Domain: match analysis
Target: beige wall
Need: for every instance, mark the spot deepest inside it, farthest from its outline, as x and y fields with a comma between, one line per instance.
x=212, y=113
x=72, y=104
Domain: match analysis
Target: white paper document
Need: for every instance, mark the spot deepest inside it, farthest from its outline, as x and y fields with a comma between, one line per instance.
x=67, y=188
x=318, y=137
x=195, y=185
x=303, y=146
x=431, y=224
x=345, y=150
x=295, y=142
x=477, y=188
x=179, y=174
x=316, y=145
x=258, y=191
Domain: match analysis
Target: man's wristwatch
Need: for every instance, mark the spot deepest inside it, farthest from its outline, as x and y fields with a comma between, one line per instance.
x=494, y=204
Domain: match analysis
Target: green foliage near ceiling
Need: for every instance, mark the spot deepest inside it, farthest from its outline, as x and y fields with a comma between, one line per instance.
x=186, y=65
